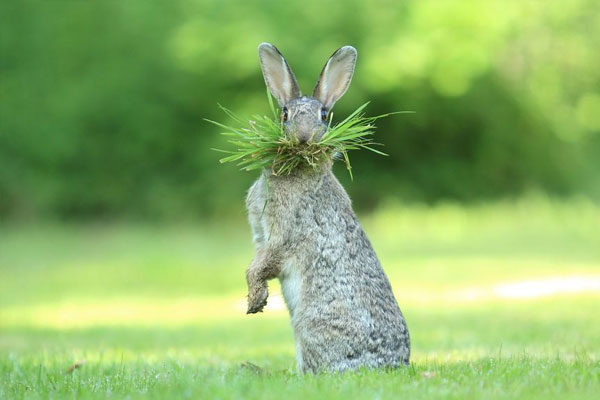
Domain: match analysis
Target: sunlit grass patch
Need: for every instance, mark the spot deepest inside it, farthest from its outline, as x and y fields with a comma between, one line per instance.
x=77, y=313
x=123, y=311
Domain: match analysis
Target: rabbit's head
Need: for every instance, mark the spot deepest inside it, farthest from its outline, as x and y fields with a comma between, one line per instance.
x=306, y=118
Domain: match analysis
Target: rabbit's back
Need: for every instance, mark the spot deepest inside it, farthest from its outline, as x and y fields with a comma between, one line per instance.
x=341, y=303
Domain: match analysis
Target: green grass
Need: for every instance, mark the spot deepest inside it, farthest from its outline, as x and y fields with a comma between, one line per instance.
x=159, y=311
x=261, y=142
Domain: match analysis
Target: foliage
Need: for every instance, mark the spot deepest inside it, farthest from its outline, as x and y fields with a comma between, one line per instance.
x=102, y=103
x=264, y=145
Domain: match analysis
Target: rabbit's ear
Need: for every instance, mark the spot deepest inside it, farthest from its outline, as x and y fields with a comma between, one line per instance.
x=336, y=76
x=278, y=76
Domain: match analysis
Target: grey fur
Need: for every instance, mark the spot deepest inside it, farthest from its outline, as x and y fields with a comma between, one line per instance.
x=335, y=76
x=343, y=311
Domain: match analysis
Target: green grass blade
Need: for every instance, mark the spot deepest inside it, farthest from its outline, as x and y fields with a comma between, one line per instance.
x=261, y=142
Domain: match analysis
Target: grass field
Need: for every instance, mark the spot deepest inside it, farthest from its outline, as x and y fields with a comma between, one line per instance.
x=502, y=301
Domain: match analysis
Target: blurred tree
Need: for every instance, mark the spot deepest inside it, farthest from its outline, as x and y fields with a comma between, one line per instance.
x=102, y=103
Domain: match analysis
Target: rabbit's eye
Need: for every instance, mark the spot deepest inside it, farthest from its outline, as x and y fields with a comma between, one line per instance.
x=284, y=114
x=323, y=114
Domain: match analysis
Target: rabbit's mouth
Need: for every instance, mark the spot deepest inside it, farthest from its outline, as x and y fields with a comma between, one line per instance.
x=313, y=137
x=305, y=134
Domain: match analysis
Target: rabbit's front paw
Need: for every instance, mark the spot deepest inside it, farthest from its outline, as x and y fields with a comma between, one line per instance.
x=257, y=299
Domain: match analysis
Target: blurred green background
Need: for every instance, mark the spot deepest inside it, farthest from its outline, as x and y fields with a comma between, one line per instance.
x=102, y=102
x=123, y=242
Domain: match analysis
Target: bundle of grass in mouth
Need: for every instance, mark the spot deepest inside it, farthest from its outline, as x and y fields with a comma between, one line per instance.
x=262, y=142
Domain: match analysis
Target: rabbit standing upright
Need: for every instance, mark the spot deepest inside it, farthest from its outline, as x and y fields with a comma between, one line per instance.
x=343, y=312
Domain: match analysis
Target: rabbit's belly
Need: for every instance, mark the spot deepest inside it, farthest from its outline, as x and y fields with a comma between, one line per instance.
x=291, y=285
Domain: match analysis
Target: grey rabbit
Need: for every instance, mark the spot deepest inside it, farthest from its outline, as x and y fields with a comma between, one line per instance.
x=343, y=312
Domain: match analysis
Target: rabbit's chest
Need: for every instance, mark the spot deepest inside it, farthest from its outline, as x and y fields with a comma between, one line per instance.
x=256, y=202
x=272, y=204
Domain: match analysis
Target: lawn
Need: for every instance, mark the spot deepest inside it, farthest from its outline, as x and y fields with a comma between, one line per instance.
x=501, y=299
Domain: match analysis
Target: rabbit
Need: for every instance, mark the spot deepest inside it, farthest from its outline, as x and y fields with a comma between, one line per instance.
x=342, y=308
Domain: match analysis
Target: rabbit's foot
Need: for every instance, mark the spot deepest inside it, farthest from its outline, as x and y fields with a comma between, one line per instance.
x=257, y=300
